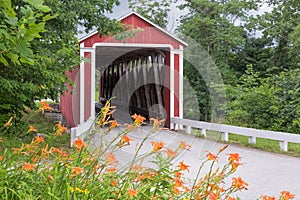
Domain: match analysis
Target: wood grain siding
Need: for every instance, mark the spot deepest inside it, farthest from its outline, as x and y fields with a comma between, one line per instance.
x=176, y=85
x=69, y=101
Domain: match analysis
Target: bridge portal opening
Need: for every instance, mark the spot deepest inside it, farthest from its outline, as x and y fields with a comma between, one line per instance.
x=136, y=81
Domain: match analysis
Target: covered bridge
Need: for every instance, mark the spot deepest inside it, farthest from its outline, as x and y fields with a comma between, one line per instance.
x=143, y=74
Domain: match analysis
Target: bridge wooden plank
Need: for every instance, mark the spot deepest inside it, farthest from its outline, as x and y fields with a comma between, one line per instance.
x=146, y=86
x=157, y=72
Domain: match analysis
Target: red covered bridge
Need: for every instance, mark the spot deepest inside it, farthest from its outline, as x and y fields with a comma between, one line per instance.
x=143, y=74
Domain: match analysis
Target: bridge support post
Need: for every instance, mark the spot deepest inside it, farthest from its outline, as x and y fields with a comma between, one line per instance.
x=189, y=129
x=73, y=136
x=224, y=136
x=252, y=140
x=176, y=128
x=283, y=145
x=203, y=132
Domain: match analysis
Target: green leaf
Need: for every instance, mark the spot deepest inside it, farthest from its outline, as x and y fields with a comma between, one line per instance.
x=3, y=60
x=26, y=11
x=39, y=5
x=14, y=58
x=12, y=21
x=49, y=17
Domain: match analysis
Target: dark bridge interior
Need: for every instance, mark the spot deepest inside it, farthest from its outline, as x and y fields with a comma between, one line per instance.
x=135, y=82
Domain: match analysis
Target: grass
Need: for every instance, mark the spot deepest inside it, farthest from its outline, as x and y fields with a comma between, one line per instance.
x=43, y=124
x=261, y=143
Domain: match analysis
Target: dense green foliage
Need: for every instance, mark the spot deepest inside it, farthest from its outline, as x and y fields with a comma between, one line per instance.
x=155, y=10
x=38, y=44
x=257, y=55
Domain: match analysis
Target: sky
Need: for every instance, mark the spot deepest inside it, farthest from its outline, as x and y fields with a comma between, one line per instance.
x=174, y=15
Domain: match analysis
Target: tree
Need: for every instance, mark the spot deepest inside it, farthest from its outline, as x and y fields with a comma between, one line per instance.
x=256, y=52
x=218, y=27
x=214, y=25
x=156, y=11
x=17, y=32
x=38, y=44
x=281, y=26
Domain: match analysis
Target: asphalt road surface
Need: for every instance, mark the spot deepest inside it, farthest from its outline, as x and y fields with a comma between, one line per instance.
x=266, y=173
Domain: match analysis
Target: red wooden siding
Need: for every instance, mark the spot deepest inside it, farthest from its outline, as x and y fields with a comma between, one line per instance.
x=69, y=101
x=149, y=35
x=167, y=88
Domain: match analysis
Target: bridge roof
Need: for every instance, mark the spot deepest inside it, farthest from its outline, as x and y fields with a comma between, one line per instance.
x=151, y=33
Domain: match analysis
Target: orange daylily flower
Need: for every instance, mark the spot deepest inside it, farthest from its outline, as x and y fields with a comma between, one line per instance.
x=149, y=175
x=170, y=153
x=110, y=158
x=183, y=166
x=60, y=129
x=28, y=166
x=111, y=169
x=137, y=168
x=1, y=158
x=138, y=119
x=286, y=195
x=230, y=198
x=114, y=183
x=124, y=141
x=234, y=157
x=79, y=144
x=223, y=148
x=213, y=196
x=45, y=106
x=50, y=178
x=39, y=139
x=130, y=127
x=8, y=123
x=132, y=192
x=265, y=197
x=234, y=165
x=178, y=174
x=183, y=145
x=31, y=129
x=60, y=152
x=157, y=145
x=113, y=124
x=176, y=190
x=178, y=182
x=156, y=122
x=239, y=183
x=76, y=171
x=211, y=156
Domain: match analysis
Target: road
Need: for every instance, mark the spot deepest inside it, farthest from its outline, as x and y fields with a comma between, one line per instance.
x=266, y=173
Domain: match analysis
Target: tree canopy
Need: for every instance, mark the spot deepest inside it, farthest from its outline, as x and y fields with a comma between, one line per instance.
x=38, y=44
x=257, y=55
x=156, y=11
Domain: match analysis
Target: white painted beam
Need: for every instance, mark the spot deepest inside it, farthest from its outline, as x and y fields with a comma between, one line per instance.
x=172, y=93
x=93, y=83
x=81, y=72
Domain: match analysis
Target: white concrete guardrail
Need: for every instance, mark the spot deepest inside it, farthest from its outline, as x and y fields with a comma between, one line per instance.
x=251, y=133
